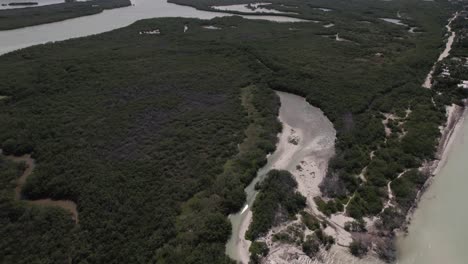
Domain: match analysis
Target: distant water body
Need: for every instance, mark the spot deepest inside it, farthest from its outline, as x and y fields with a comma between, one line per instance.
x=4, y=4
x=438, y=232
x=11, y=40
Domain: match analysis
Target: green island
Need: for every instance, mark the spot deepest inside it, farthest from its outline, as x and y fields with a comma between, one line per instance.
x=31, y=16
x=155, y=136
x=23, y=3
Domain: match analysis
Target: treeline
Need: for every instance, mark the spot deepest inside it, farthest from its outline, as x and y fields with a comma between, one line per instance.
x=25, y=17
x=460, y=26
x=130, y=135
x=203, y=227
x=456, y=65
x=361, y=88
x=414, y=138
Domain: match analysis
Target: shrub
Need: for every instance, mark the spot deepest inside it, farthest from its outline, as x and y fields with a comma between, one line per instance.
x=358, y=248
x=310, y=221
x=257, y=251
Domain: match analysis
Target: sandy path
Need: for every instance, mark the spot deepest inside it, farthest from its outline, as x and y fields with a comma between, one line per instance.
x=389, y=202
x=428, y=81
x=67, y=205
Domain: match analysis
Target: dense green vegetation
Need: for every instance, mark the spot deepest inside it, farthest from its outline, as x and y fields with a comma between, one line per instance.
x=310, y=221
x=456, y=65
x=358, y=248
x=30, y=234
x=366, y=201
x=362, y=86
x=406, y=187
x=276, y=202
x=204, y=211
x=25, y=17
x=131, y=134
x=329, y=207
x=22, y=3
x=460, y=25
x=257, y=251
x=156, y=136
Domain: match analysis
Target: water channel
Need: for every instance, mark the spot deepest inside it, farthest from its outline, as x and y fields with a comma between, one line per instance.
x=315, y=137
x=11, y=40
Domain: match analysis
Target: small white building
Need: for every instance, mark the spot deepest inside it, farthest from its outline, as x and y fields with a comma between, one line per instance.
x=463, y=84
x=445, y=72
x=151, y=32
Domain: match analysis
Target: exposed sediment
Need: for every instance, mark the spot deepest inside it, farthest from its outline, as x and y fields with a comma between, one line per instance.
x=448, y=47
x=304, y=148
x=30, y=163
x=306, y=142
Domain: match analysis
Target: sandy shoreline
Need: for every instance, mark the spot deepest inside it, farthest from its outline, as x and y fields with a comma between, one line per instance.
x=306, y=156
x=304, y=147
x=455, y=118
x=243, y=245
x=308, y=163
x=311, y=172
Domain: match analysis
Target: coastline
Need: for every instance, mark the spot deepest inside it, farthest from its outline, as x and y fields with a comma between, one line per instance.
x=443, y=143
x=58, y=12
x=455, y=118
x=339, y=253
x=239, y=13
